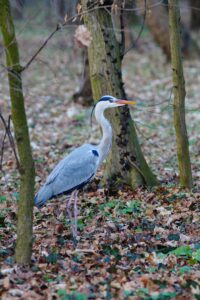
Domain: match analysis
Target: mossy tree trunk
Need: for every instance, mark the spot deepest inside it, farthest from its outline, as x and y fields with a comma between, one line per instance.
x=179, y=96
x=126, y=163
x=25, y=208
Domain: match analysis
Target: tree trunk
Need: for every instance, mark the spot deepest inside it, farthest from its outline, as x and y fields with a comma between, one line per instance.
x=195, y=14
x=157, y=21
x=179, y=96
x=126, y=163
x=84, y=95
x=25, y=208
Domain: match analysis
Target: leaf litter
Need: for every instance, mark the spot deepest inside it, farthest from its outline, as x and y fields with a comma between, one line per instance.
x=133, y=245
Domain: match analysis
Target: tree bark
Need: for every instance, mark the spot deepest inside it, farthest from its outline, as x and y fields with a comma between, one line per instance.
x=84, y=95
x=179, y=96
x=27, y=173
x=126, y=163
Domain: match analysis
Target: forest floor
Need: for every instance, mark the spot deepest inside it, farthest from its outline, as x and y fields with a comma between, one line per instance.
x=133, y=245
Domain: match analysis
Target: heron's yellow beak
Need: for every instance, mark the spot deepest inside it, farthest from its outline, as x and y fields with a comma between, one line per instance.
x=120, y=101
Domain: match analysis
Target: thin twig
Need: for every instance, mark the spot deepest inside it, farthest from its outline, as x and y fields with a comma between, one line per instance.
x=2, y=151
x=137, y=168
x=141, y=29
x=58, y=28
x=11, y=140
x=41, y=47
x=3, y=141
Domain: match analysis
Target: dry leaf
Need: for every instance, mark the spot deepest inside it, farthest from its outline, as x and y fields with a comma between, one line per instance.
x=114, y=8
x=82, y=36
x=6, y=283
x=78, y=8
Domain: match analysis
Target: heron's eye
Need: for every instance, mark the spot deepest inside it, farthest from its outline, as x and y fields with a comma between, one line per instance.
x=110, y=100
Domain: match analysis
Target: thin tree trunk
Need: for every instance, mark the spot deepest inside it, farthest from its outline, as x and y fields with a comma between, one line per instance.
x=195, y=14
x=179, y=96
x=126, y=163
x=25, y=208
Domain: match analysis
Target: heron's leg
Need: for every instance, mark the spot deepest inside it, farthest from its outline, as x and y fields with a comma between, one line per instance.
x=73, y=219
x=75, y=212
x=69, y=202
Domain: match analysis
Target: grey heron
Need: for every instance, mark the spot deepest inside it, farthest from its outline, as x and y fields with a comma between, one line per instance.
x=76, y=169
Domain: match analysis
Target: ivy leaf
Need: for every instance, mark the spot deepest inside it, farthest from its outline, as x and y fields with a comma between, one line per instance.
x=183, y=251
x=185, y=269
x=196, y=255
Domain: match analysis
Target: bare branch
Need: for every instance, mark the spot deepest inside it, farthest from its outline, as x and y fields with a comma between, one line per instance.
x=11, y=140
x=2, y=151
x=58, y=27
x=141, y=29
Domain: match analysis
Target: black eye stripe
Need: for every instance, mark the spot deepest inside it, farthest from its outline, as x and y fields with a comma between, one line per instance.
x=106, y=98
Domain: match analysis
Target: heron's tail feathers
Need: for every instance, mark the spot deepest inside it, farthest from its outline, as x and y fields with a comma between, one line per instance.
x=44, y=194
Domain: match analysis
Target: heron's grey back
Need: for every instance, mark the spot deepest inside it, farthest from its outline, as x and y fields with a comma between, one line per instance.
x=71, y=172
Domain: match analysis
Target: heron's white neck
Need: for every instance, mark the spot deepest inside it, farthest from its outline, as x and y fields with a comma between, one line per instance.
x=106, y=141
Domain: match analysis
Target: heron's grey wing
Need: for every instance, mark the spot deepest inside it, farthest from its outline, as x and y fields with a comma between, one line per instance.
x=71, y=172
x=74, y=170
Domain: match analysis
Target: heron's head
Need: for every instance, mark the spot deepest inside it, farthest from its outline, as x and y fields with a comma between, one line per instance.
x=108, y=101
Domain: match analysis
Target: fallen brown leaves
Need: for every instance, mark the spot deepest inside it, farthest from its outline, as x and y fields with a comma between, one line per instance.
x=122, y=251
